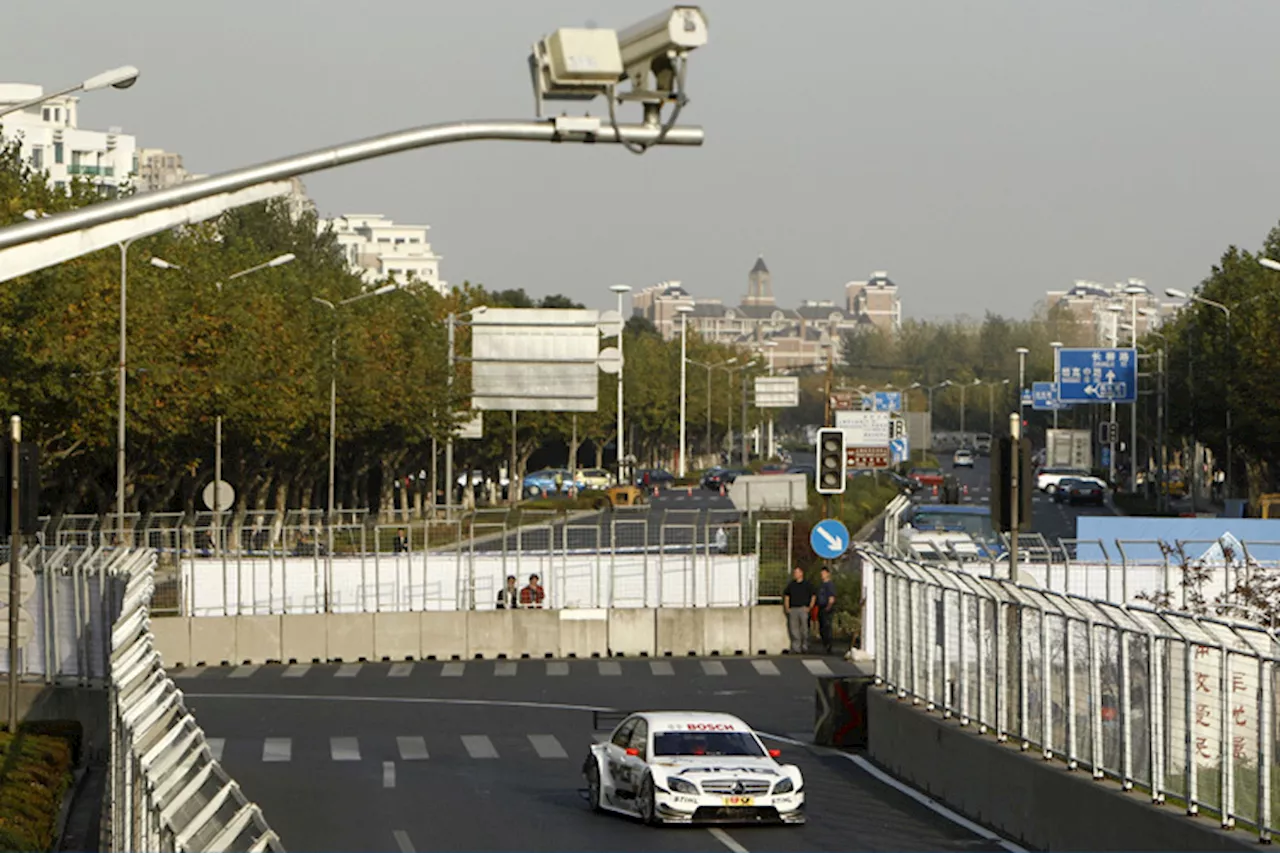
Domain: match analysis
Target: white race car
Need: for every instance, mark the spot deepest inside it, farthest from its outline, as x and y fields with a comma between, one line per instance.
x=692, y=767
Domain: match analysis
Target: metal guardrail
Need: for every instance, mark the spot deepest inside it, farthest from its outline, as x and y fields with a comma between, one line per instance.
x=1177, y=704
x=166, y=791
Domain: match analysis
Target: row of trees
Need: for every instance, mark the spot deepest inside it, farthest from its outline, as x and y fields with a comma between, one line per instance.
x=260, y=352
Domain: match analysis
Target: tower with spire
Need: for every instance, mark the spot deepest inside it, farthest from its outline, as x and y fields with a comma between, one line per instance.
x=759, y=285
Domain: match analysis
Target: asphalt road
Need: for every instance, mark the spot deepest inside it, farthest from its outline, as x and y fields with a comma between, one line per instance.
x=1053, y=520
x=486, y=755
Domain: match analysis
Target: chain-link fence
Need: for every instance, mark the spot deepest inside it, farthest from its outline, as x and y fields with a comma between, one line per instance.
x=165, y=789
x=1179, y=705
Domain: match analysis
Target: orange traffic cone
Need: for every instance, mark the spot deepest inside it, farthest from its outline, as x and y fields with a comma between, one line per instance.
x=722, y=490
x=655, y=491
x=690, y=491
x=935, y=491
x=966, y=491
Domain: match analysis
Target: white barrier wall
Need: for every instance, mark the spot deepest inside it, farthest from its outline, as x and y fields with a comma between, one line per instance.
x=433, y=582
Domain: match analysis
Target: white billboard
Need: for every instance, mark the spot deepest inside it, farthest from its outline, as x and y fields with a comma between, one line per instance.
x=777, y=392
x=535, y=360
x=865, y=429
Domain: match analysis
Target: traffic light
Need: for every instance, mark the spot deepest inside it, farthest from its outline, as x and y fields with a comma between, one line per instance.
x=1108, y=432
x=830, y=478
x=28, y=487
x=1010, y=452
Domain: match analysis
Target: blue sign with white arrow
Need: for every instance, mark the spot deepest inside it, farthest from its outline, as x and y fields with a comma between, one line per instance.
x=900, y=450
x=882, y=401
x=829, y=538
x=1044, y=397
x=1097, y=375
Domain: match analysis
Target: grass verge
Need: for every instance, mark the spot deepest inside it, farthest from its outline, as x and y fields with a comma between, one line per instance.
x=35, y=774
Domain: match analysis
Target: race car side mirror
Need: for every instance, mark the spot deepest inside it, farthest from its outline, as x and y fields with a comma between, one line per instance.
x=774, y=753
x=631, y=750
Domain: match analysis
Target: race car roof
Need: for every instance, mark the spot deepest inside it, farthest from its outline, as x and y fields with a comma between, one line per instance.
x=693, y=721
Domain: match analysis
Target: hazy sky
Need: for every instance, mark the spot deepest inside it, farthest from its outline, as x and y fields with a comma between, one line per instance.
x=980, y=152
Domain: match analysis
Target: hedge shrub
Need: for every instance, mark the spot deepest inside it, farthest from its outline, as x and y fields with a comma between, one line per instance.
x=35, y=773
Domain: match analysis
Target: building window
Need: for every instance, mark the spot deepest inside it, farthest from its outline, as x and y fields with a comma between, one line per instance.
x=45, y=114
x=37, y=157
x=57, y=152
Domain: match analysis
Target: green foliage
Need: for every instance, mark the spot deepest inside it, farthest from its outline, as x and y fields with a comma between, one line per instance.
x=35, y=773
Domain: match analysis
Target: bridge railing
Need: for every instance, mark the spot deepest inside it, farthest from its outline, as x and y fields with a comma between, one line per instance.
x=1179, y=705
x=166, y=791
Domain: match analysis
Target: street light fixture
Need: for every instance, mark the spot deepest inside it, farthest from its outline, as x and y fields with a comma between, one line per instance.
x=621, y=290
x=1269, y=264
x=116, y=78
x=684, y=311
x=722, y=365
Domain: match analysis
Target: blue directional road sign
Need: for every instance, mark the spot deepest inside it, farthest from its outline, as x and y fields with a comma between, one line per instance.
x=882, y=401
x=1044, y=397
x=829, y=538
x=1026, y=396
x=1097, y=375
x=900, y=449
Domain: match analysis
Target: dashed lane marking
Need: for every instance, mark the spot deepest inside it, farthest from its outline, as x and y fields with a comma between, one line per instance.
x=412, y=748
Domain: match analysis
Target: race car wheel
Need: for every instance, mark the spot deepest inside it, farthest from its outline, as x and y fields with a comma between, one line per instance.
x=645, y=801
x=593, y=784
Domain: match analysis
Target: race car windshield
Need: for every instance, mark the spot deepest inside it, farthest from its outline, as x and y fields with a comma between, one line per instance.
x=706, y=743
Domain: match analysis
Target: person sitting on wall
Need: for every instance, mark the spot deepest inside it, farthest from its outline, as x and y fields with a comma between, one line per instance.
x=533, y=594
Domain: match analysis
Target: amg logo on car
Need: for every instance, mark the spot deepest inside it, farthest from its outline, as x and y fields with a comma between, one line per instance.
x=710, y=727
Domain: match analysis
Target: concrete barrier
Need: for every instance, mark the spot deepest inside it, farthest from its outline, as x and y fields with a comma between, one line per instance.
x=397, y=636
x=535, y=633
x=350, y=636
x=213, y=641
x=172, y=635
x=490, y=633
x=584, y=633
x=633, y=631
x=1034, y=802
x=444, y=634
x=258, y=639
x=679, y=632
x=304, y=638
x=769, y=631
x=726, y=631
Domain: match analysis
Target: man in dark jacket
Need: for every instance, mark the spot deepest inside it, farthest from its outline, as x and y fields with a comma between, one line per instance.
x=826, y=607
x=797, y=600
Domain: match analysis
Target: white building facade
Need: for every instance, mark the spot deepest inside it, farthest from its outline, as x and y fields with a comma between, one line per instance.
x=378, y=249
x=53, y=141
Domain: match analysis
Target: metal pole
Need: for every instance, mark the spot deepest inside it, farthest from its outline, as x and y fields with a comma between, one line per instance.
x=962, y=387
x=621, y=366
x=333, y=432
x=1163, y=482
x=1111, y=434
x=548, y=130
x=448, y=443
x=708, y=410
x=744, y=418
x=15, y=576
x=1231, y=356
x=217, y=485
x=514, y=484
x=124, y=290
x=1015, y=455
x=684, y=338
x=729, y=413
x=1133, y=418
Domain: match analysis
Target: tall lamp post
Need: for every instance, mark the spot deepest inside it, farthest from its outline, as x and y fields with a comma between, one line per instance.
x=991, y=402
x=684, y=311
x=1057, y=346
x=962, y=386
x=1178, y=294
x=333, y=412
x=621, y=290
x=1133, y=291
x=116, y=78
x=1022, y=381
x=723, y=365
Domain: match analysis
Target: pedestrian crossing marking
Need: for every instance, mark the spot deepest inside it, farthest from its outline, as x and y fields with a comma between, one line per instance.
x=412, y=748
x=547, y=746
x=479, y=746
x=344, y=748
x=189, y=672
x=400, y=670
x=453, y=669
x=297, y=670
x=557, y=667
x=504, y=668
x=713, y=667
x=610, y=667
x=661, y=667
x=818, y=667
x=277, y=749
x=348, y=670
x=243, y=671
x=765, y=667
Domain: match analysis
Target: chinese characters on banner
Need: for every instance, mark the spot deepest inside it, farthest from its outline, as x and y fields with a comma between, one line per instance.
x=1207, y=699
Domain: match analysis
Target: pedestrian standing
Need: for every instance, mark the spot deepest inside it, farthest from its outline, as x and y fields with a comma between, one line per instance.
x=797, y=599
x=826, y=608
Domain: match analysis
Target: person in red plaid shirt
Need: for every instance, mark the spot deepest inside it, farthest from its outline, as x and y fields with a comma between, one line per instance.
x=533, y=594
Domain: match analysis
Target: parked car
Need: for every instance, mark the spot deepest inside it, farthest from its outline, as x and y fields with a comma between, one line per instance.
x=1079, y=490
x=1047, y=478
x=595, y=478
x=717, y=477
x=907, y=485
x=774, y=468
x=962, y=459
x=543, y=482
x=926, y=476
x=653, y=477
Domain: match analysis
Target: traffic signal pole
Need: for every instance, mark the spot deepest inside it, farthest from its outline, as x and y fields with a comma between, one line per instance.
x=1015, y=430
x=15, y=577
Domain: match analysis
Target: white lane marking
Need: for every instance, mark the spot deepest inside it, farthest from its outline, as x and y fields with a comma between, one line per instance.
x=412, y=748
x=547, y=746
x=388, y=774
x=402, y=841
x=400, y=670
x=713, y=667
x=347, y=670
x=661, y=667
x=277, y=749
x=215, y=747
x=765, y=667
x=402, y=700
x=453, y=669
x=610, y=667
x=297, y=670
x=243, y=671
x=186, y=672
x=817, y=667
x=723, y=837
x=479, y=746
x=931, y=804
x=504, y=667
x=557, y=667
x=344, y=748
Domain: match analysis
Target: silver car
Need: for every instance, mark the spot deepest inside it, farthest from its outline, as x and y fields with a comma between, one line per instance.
x=963, y=458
